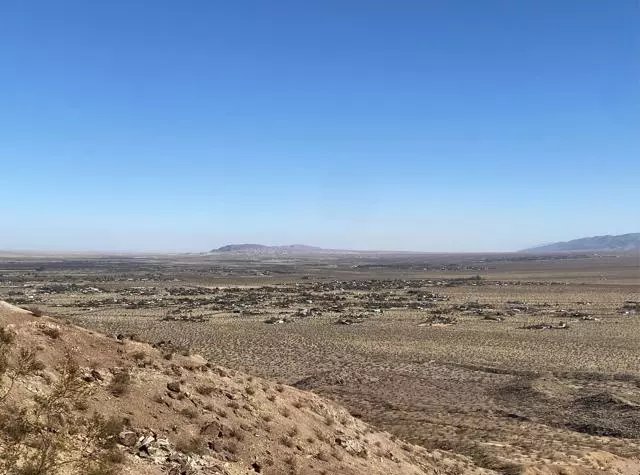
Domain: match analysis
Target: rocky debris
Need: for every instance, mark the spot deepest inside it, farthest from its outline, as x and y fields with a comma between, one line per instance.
x=546, y=326
x=63, y=288
x=146, y=445
x=185, y=318
x=92, y=376
x=494, y=318
x=589, y=318
x=353, y=446
x=128, y=438
x=174, y=386
x=630, y=307
x=307, y=312
x=517, y=307
x=351, y=319
x=572, y=314
x=95, y=374
x=474, y=307
x=273, y=320
x=427, y=296
x=190, y=291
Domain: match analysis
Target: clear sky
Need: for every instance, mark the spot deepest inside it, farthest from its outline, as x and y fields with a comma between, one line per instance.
x=450, y=125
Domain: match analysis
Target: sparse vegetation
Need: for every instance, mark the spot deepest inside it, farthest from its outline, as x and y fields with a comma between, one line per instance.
x=120, y=383
x=52, y=332
x=189, y=413
x=35, y=311
x=205, y=389
x=192, y=445
x=34, y=437
x=414, y=325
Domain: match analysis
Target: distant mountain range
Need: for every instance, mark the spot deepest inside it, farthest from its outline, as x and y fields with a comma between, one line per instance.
x=262, y=249
x=622, y=242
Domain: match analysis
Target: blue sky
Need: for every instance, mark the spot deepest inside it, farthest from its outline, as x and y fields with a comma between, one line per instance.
x=451, y=125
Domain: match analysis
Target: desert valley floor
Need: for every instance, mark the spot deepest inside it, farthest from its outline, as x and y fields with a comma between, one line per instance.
x=512, y=360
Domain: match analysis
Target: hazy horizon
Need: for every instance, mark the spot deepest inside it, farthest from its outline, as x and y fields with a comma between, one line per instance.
x=171, y=251
x=421, y=126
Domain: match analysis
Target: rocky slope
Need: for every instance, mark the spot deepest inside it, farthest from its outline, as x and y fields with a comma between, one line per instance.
x=180, y=414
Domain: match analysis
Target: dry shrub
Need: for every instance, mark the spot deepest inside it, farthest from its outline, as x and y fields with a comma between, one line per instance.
x=51, y=332
x=38, y=437
x=231, y=447
x=287, y=441
x=120, y=384
x=205, y=390
x=35, y=311
x=139, y=355
x=189, y=413
x=191, y=445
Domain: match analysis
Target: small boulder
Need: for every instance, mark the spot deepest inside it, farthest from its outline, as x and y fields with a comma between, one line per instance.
x=174, y=386
x=128, y=438
x=95, y=374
